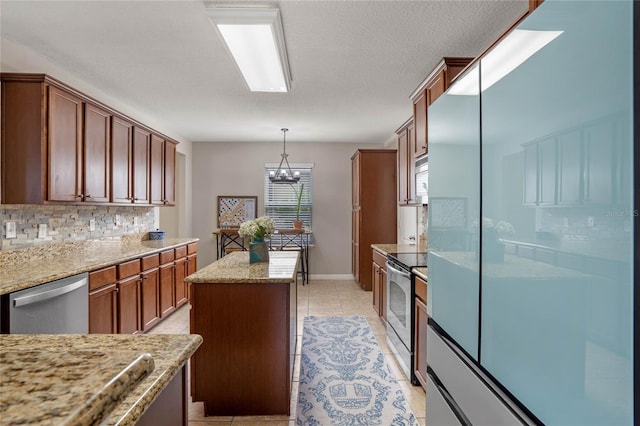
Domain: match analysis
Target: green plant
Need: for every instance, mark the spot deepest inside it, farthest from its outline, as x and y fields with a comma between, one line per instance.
x=299, y=199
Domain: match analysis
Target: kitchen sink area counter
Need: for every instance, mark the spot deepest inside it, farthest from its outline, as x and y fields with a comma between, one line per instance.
x=246, y=314
x=89, y=379
x=29, y=267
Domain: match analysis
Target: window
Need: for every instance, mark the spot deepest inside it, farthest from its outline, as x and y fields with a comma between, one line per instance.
x=280, y=198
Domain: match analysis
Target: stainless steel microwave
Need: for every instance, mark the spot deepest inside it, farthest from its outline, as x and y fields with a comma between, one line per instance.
x=422, y=179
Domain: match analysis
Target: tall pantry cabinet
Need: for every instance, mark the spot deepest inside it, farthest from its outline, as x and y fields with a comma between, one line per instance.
x=373, y=214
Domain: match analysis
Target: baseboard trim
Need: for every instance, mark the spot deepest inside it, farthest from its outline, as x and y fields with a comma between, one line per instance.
x=324, y=277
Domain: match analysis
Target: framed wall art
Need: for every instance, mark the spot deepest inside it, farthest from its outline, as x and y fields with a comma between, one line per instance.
x=234, y=209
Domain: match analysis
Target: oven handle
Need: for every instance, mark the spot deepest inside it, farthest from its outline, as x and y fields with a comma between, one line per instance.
x=405, y=274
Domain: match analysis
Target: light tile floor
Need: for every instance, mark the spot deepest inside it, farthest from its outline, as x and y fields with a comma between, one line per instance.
x=320, y=298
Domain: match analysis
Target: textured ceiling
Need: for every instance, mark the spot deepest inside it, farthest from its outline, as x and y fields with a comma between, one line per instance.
x=353, y=63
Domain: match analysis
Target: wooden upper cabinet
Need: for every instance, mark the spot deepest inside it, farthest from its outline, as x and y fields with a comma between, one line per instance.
x=141, y=159
x=121, y=161
x=64, y=146
x=169, y=173
x=418, y=146
x=61, y=146
x=406, y=164
x=156, y=176
x=96, y=167
x=162, y=174
x=436, y=83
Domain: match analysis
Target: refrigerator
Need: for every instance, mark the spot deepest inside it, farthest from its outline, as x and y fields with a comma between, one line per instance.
x=532, y=225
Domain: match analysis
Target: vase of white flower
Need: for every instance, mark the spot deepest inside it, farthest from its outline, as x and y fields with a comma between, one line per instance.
x=257, y=229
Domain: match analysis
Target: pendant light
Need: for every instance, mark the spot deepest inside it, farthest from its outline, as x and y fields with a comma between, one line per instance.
x=282, y=174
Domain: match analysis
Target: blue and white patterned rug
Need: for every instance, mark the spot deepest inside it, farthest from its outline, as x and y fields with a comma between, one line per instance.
x=344, y=379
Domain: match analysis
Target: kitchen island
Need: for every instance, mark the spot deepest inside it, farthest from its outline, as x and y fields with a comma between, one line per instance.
x=95, y=379
x=246, y=314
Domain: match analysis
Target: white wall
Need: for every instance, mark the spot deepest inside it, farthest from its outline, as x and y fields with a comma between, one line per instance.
x=238, y=169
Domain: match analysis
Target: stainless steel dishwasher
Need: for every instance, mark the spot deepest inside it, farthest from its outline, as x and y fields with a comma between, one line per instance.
x=57, y=307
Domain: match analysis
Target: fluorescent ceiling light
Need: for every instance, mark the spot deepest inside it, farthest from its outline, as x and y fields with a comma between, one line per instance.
x=516, y=48
x=255, y=39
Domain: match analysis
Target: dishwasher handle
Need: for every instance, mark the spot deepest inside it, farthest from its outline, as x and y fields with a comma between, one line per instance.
x=50, y=294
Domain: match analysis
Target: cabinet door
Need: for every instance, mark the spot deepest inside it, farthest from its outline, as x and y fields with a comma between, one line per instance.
x=411, y=168
x=65, y=146
x=121, y=161
x=156, y=175
x=375, y=280
x=167, y=289
x=403, y=164
x=169, y=173
x=355, y=253
x=180, y=285
x=96, y=154
x=570, y=168
x=420, y=358
x=355, y=180
x=419, y=146
x=103, y=310
x=436, y=87
x=150, y=298
x=547, y=171
x=129, y=305
x=599, y=163
x=141, y=145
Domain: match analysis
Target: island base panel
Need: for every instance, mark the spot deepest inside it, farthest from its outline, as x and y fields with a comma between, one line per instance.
x=242, y=367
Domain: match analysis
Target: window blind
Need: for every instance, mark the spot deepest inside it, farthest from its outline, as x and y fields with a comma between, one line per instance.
x=280, y=198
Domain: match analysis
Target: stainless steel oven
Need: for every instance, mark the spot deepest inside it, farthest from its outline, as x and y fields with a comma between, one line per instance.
x=400, y=315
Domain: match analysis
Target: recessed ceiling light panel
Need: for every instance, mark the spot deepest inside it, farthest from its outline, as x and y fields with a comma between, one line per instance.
x=255, y=39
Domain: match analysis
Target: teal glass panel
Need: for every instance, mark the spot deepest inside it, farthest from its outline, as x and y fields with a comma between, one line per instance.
x=556, y=268
x=454, y=206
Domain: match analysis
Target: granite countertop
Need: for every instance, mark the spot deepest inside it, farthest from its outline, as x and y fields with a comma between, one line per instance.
x=398, y=248
x=235, y=268
x=85, y=379
x=420, y=271
x=24, y=268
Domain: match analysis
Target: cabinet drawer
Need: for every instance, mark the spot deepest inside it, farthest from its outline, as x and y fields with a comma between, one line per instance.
x=380, y=259
x=192, y=248
x=421, y=289
x=128, y=269
x=166, y=257
x=181, y=252
x=149, y=262
x=102, y=277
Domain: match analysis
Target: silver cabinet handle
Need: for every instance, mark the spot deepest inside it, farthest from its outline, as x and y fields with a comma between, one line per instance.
x=46, y=295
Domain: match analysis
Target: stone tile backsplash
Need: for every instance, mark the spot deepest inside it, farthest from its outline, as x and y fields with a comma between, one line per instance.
x=72, y=223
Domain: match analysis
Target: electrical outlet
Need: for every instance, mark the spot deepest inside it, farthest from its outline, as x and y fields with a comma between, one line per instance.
x=92, y=224
x=10, y=230
x=135, y=221
x=591, y=221
x=118, y=220
x=42, y=230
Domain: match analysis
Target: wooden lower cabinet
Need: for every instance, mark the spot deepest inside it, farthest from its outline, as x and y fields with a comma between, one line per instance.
x=134, y=296
x=379, y=280
x=420, y=357
x=103, y=310
x=150, y=298
x=181, y=296
x=129, y=305
x=103, y=301
x=167, y=289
